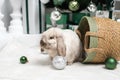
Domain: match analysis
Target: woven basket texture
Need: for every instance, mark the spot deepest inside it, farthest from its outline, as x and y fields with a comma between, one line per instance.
x=100, y=38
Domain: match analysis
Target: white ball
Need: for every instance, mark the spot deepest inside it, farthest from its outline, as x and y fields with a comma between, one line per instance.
x=44, y=1
x=59, y=62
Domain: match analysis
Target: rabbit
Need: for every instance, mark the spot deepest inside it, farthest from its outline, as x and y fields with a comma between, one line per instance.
x=58, y=42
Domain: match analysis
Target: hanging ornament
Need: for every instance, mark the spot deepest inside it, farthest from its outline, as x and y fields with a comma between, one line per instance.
x=92, y=7
x=55, y=15
x=59, y=62
x=58, y=2
x=44, y=1
x=112, y=5
x=110, y=63
x=73, y=5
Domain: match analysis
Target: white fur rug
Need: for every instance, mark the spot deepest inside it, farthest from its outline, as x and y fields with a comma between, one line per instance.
x=39, y=66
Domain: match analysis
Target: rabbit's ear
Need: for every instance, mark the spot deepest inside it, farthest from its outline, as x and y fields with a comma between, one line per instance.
x=61, y=46
x=78, y=33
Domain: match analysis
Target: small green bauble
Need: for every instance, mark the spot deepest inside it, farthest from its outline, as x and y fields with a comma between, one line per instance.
x=110, y=63
x=23, y=60
x=73, y=5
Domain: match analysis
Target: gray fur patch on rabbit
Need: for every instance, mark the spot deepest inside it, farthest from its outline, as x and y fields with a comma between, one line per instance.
x=66, y=43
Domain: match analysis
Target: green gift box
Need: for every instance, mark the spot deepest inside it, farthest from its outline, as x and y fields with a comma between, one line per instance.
x=76, y=17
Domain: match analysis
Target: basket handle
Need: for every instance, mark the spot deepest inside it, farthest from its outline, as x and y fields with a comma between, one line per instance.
x=90, y=50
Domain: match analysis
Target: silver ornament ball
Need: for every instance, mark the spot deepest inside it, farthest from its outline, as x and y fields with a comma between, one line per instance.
x=55, y=15
x=59, y=62
x=92, y=7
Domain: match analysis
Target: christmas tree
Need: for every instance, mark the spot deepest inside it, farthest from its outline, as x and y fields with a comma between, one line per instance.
x=82, y=4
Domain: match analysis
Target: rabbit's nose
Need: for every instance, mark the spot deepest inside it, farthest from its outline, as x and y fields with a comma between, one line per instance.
x=42, y=50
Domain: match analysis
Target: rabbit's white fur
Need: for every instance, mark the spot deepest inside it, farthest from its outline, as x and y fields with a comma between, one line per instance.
x=66, y=43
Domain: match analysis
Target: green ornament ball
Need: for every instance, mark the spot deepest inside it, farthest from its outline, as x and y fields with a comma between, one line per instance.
x=74, y=5
x=23, y=59
x=110, y=63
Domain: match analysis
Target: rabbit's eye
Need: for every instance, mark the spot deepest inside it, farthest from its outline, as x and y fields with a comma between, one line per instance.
x=51, y=37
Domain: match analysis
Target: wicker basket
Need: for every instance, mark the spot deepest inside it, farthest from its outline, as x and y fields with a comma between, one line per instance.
x=100, y=38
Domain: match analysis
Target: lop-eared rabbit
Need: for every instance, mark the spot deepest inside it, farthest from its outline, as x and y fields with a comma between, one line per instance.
x=62, y=42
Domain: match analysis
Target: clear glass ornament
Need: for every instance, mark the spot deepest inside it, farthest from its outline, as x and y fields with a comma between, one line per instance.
x=92, y=7
x=55, y=15
x=59, y=62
